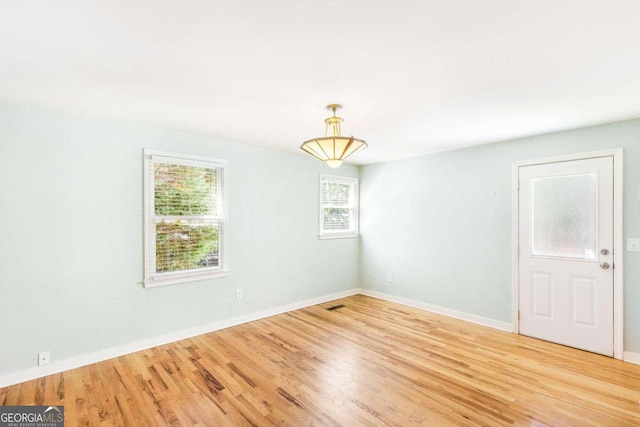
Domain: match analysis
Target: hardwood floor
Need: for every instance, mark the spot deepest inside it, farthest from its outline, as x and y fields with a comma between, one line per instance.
x=370, y=362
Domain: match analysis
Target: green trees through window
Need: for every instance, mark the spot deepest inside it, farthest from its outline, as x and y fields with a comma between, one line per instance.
x=186, y=225
x=185, y=218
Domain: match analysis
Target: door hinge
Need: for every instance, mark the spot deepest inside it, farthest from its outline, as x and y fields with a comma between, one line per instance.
x=518, y=314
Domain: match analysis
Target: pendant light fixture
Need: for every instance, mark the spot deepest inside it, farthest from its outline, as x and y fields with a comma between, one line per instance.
x=333, y=148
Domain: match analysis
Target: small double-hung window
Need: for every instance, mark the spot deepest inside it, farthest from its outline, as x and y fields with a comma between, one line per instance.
x=185, y=218
x=338, y=206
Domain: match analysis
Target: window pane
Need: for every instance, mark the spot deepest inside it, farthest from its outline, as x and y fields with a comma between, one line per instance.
x=565, y=216
x=338, y=206
x=186, y=245
x=184, y=190
x=336, y=193
x=337, y=219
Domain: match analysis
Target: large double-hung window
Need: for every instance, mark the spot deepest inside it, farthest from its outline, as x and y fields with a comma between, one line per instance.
x=185, y=218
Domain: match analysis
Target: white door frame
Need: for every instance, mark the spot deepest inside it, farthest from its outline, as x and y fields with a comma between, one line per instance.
x=618, y=243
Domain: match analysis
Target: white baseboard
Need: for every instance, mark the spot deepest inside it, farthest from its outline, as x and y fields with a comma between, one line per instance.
x=495, y=324
x=110, y=353
x=631, y=357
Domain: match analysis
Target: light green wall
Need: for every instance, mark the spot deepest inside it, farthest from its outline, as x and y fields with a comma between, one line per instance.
x=71, y=231
x=71, y=257
x=441, y=223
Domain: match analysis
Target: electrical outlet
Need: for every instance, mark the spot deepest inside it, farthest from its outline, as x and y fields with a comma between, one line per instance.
x=238, y=294
x=44, y=358
x=633, y=245
x=389, y=278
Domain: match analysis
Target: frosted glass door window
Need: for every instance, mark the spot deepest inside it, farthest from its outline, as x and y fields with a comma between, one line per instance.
x=564, y=216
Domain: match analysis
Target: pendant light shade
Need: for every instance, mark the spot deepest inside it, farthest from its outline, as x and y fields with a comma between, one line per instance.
x=333, y=148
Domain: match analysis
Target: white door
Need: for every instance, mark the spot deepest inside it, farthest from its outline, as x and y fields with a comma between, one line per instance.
x=565, y=214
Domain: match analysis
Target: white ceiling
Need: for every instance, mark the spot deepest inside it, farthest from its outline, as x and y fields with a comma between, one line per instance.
x=414, y=76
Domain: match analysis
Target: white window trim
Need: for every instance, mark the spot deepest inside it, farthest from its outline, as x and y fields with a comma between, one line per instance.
x=322, y=234
x=151, y=280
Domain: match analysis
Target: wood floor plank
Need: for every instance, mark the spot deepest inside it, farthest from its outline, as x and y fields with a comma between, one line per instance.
x=369, y=363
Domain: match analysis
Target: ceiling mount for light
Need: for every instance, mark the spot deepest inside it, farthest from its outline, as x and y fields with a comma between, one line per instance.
x=333, y=148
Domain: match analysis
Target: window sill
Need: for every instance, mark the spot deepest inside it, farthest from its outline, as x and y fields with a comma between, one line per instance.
x=166, y=281
x=338, y=236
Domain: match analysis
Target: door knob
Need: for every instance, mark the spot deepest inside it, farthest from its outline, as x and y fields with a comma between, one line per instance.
x=604, y=265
